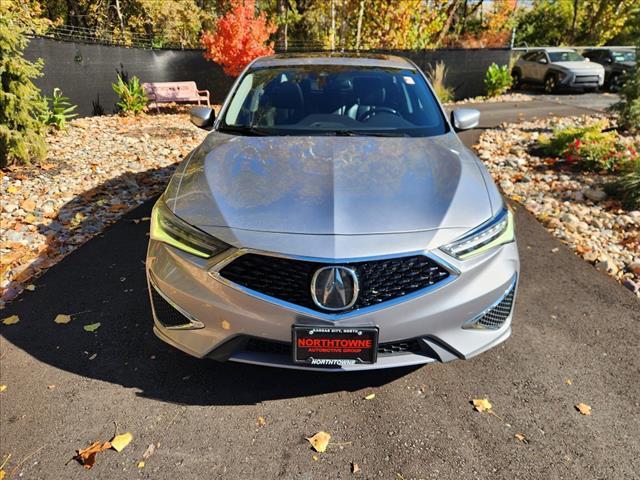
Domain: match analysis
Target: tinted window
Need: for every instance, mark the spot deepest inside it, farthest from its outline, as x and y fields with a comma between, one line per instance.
x=329, y=99
x=568, y=56
x=624, y=56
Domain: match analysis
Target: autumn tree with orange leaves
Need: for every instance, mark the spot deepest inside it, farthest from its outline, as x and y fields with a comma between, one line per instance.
x=239, y=37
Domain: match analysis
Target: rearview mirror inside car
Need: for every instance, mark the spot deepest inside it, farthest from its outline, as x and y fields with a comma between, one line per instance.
x=202, y=117
x=465, y=118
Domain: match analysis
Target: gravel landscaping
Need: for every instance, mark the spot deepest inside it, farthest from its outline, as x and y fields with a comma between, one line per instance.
x=571, y=203
x=507, y=97
x=96, y=170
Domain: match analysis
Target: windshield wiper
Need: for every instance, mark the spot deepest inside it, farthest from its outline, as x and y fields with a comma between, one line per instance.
x=244, y=130
x=360, y=133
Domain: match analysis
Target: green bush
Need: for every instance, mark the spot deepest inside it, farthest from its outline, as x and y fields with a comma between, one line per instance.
x=132, y=96
x=627, y=188
x=20, y=102
x=590, y=147
x=497, y=80
x=59, y=111
x=628, y=108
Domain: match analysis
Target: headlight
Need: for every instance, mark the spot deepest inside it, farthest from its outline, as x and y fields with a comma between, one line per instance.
x=168, y=228
x=497, y=231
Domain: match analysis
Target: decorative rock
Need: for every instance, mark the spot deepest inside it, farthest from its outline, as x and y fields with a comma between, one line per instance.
x=595, y=195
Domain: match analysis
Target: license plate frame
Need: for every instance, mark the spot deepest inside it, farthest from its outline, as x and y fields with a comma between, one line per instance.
x=334, y=346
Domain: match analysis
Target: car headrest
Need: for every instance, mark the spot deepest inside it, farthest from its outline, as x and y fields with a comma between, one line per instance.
x=370, y=90
x=287, y=95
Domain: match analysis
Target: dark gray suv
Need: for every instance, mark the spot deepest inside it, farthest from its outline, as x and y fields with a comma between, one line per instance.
x=616, y=62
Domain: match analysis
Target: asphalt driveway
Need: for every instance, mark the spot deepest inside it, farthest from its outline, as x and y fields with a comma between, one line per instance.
x=576, y=339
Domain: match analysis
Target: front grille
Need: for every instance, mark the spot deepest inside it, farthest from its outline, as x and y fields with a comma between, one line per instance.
x=586, y=79
x=290, y=280
x=165, y=312
x=258, y=345
x=497, y=315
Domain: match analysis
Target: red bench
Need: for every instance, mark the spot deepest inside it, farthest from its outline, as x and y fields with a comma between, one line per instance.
x=167, y=92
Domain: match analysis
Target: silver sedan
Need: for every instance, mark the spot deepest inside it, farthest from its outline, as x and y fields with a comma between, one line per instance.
x=332, y=220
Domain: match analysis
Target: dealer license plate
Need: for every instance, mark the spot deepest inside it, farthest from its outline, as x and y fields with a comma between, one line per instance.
x=334, y=346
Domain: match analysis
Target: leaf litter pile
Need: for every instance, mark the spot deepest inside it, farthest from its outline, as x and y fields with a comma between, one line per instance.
x=96, y=170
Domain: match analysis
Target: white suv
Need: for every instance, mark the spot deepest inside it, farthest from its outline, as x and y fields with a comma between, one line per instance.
x=557, y=67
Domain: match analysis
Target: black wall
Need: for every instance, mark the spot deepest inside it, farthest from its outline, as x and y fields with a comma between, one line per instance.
x=85, y=72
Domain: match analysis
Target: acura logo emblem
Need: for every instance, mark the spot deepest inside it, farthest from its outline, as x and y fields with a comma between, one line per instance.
x=334, y=288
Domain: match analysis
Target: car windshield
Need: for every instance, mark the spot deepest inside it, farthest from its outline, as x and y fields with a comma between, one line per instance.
x=624, y=56
x=333, y=100
x=568, y=56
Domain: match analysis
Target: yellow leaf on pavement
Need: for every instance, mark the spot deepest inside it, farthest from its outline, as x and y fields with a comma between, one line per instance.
x=12, y=320
x=62, y=318
x=583, y=408
x=87, y=457
x=2, y=388
x=521, y=437
x=371, y=396
x=120, y=441
x=482, y=404
x=261, y=422
x=319, y=441
x=92, y=327
x=140, y=464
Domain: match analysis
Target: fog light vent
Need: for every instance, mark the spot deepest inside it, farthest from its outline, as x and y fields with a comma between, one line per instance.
x=495, y=316
x=166, y=313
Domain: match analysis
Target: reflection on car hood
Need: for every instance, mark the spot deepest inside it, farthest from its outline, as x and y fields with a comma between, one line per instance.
x=331, y=185
x=629, y=64
x=574, y=66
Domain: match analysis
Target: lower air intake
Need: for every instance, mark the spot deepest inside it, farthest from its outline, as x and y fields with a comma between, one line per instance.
x=495, y=316
x=166, y=314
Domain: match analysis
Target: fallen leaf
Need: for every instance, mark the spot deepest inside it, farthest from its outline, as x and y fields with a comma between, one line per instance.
x=482, y=404
x=140, y=464
x=2, y=388
x=2, y=472
x=521, y=437
x=30, y=287
x=226, y=325
x=92, y=327
x=583, y=408
x=62, y=318
x=120, y=441
x=12, y=320
x=355, y=468
x=319, y=441
x=371, y=396
x=261, y=422
x=315, y=457
x=51, y=387
x=568, y=381
x=151, y=449
x=87, y=457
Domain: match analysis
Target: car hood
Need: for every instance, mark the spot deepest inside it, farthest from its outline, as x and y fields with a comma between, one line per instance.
x=576, y=66
x=629, y=64
x=330, y=185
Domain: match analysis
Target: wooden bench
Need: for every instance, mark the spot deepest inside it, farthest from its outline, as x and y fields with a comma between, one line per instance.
x=167, y=92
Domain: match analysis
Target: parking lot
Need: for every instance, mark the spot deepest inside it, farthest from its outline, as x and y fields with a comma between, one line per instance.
x=575, y=340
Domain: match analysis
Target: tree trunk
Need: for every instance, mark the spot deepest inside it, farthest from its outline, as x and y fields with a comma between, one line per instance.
x=574, y=20
x=359, y=30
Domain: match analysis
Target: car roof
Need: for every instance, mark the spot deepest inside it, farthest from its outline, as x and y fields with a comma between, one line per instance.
x=326, y=58
x=553, y=49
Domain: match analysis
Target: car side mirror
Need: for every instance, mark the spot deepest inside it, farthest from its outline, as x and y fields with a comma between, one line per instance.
x=465, y=118
x=202, y=117
x=542, y=60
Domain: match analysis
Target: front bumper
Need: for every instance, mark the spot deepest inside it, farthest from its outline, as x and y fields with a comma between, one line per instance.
x=581, y=79
x=226, y=323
